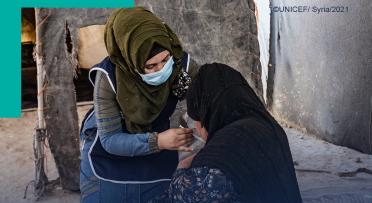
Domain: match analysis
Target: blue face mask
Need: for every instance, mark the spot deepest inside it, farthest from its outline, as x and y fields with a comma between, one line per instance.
x=159, y=77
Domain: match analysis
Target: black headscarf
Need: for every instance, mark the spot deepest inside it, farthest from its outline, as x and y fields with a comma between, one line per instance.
x=244, y=140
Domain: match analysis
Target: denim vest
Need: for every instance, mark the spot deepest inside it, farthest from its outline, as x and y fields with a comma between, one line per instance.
x=139, y=169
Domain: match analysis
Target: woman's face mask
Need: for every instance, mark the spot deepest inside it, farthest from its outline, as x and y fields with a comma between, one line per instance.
x=158, y=69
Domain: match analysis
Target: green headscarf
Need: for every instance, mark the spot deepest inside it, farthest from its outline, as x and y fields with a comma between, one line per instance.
x=130, y=35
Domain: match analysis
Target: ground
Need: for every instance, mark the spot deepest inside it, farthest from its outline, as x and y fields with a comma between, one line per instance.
x=325, y=172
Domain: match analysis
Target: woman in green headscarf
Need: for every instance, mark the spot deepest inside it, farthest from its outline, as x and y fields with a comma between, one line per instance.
x=129, y=151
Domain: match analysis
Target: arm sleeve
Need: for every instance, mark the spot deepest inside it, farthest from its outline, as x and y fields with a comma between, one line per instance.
x=109, y=124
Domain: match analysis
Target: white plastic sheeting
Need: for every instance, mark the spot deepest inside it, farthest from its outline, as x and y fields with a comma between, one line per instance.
x=322, y=56
x=263, y=29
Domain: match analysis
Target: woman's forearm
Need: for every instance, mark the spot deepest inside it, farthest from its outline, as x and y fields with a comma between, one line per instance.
x=125, y=144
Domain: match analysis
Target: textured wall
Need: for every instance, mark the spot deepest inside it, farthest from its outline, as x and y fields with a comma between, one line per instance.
x=323, y=74
x=215, y=31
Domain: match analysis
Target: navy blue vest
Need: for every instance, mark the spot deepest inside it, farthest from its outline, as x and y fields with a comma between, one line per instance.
x=140, y=169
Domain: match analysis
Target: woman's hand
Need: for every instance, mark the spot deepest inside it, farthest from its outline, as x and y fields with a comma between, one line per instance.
x=175, y=139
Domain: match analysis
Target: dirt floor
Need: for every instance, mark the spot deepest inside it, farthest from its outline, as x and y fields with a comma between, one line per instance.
x=326, y=173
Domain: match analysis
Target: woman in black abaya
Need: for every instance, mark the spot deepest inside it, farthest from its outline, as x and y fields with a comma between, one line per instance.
x=246, y=157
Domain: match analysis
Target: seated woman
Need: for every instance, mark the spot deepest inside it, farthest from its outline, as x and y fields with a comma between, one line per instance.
x=246, y=157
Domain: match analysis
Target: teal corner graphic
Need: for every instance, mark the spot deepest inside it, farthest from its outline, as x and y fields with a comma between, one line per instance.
x=10, y=84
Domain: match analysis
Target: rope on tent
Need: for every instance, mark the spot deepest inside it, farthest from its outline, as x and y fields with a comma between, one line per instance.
x=40, y=181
